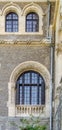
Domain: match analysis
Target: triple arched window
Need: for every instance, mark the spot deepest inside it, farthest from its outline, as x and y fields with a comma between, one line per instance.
x=32, y=22
x=30, y=89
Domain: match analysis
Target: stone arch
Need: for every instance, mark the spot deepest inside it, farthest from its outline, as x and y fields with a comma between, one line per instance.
x=11, y=7
x=32, y=7
x=26, y=66
x=30, y=65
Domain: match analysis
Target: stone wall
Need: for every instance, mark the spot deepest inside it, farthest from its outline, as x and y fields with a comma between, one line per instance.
x=10, y=57
x=12, y=53
x=8, y=123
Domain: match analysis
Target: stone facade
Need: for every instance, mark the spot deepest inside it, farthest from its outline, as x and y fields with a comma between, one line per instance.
x=21, y=51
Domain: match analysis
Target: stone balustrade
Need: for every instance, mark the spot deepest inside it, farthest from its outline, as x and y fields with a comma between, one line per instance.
x=29, y=109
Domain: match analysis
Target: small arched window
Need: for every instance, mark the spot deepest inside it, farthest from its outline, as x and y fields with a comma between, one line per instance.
x=11, y=22
x=32, y=22
x=30, y=89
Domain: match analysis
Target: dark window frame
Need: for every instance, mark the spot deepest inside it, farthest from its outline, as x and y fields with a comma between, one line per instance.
x=30, y=21
x=30, y=85
x=11, y=20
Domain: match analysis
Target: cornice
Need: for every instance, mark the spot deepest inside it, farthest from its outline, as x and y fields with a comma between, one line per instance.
x=26, y=1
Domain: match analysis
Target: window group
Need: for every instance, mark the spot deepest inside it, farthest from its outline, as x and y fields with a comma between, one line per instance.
x=31, y=22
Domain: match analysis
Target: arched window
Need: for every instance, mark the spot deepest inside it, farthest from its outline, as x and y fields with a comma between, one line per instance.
x=11, y=22
x=30, y=89
x=32, y=22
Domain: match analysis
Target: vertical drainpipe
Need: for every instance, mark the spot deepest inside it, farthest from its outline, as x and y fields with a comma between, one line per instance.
x=51, y=66
x=51, y=86
x=48, y=22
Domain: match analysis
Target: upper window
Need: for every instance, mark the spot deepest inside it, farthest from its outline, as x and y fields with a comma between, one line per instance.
x=11, y=22
x=32, y=22
x=30, y=89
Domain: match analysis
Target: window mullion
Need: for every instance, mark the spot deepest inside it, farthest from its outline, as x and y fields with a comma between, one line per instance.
x=32, y=22
x=12, y=22
x=30, y=87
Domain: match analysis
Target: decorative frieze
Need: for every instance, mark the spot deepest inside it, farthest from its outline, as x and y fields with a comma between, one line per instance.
x=43, y=42
x=27, y=1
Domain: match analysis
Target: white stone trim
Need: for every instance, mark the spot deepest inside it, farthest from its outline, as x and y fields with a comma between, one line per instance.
x=32, y=7
x=30, y=65
x=11, y=7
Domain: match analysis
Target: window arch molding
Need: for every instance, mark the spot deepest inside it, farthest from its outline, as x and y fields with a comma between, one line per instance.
x=11, y=7
x=32, y=7
x=26, y=66
x=30, y=65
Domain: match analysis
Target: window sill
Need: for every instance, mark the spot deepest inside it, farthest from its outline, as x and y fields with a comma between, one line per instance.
x=22, y=33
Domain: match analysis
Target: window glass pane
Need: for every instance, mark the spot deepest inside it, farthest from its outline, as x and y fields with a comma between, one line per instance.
x=29, y=26
x=20, y=81
x=15, y=23
x=41, y=80
x=26, y=95
x=29, y=16
x=15, y=16
x=35, y=16
x=34, y=78
x=8, y=29
x=8, y=23
x=20, y=95
x=8, y=16
x=34, y=95
x=40, y=95
x=27, y=78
